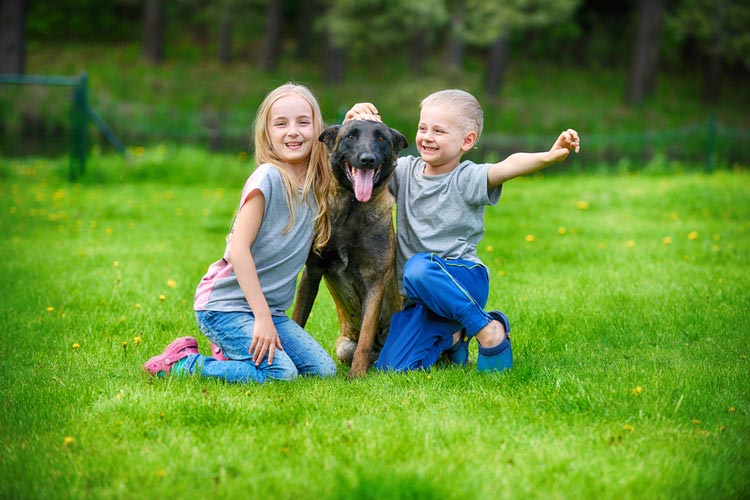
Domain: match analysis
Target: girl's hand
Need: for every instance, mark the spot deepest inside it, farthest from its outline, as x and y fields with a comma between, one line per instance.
x=363, y=111
x=265, y=340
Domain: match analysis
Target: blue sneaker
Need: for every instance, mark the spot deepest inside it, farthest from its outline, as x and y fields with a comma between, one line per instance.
x=500, y=357
x=459, y=352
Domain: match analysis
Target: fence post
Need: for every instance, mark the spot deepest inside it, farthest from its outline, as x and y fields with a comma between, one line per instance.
x=710, y=142
x=79, y=128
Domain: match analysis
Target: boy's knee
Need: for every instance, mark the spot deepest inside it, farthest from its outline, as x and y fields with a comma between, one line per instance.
x=417, y=272
x=327, y=369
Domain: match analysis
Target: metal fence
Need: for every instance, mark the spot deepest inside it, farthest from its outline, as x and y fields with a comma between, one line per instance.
x=707, y=144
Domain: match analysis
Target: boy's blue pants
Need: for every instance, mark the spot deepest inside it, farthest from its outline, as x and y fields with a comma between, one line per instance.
x=443, y=296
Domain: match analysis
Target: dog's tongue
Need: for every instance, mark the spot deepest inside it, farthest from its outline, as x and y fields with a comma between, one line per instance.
x=363, y=183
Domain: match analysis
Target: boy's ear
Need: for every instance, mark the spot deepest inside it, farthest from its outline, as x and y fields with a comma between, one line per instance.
x=469, y=140
x=328, y=137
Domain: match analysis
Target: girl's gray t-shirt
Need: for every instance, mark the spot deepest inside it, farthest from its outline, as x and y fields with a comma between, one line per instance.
x=278, y=255
x=441, y=214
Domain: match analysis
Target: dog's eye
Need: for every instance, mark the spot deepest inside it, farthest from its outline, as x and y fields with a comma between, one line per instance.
x=350, y=137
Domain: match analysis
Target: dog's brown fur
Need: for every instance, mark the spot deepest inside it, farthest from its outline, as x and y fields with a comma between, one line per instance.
x=358, y=263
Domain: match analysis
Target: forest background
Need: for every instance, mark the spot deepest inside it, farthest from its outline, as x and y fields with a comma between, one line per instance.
x=638, y=78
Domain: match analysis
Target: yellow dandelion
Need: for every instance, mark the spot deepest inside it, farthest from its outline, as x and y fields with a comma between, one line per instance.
x=108, y=230
x=529, y=238
x=116, y=263
x=501, y=272
x=76, y=346
x=171, y=283
x=630, y=243
x=124, y=345
x=121, y=319
x=161, y=473
x=582, y=205
x=628, y=427
x=162, y=297
x=68, y=440
x=732, y=409
x=562, y=231
x=137, y=339
x=696, y=421
x=636, y=391
x=693, y=235
x=137, y=306
x=489, y=248
x=667, y=240
x=429, y=377
x=50, y=309
x=673, y=216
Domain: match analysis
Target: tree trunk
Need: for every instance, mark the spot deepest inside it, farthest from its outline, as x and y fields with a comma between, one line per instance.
x=273, y=37
x=305, y=41
x=154, y=24
x=225, y=35
x=645, y=58
x=455, y=53
x=334, y=64
x=12, y=37
x=496, y=65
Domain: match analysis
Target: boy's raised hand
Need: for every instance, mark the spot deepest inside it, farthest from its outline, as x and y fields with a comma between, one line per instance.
x=363, y=111
x=567, y=142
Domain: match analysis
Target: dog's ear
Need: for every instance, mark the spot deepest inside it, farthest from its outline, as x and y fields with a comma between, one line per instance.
x=329, y=136
x=398, y=139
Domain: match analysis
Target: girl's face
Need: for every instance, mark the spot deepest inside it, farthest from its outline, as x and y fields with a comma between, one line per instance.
x=290, y=127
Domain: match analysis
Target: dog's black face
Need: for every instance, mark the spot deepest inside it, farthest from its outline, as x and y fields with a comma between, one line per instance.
x=363, y=154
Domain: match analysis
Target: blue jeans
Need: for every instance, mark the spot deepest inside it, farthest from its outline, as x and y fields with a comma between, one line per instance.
x=233, y=333
x=444, y=296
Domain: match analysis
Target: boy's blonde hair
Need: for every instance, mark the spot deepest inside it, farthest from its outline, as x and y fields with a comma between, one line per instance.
x=464, y=105
x=318, y=178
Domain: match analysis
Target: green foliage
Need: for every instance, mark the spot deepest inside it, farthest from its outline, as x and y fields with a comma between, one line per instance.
x=719, y=26
x=628, y=297
x=487, y=20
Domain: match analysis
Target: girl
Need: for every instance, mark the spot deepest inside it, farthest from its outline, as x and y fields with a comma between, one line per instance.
x=240, y=303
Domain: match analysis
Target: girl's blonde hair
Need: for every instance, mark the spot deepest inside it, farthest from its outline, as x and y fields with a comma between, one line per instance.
x=464, y=105
x=318, y=178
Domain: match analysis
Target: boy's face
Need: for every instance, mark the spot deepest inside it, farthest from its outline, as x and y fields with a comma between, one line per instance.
x=441, y=138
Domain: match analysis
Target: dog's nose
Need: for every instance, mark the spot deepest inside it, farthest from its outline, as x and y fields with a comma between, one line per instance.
x=367, y=160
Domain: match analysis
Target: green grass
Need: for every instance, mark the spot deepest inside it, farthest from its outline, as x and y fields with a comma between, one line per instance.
x=631, y=377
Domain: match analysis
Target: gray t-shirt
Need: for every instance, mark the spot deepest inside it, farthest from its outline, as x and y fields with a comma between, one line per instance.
x=441, y=214
x=279, y=256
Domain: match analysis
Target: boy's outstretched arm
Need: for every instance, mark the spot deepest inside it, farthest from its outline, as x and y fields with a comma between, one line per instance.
x=519, y=164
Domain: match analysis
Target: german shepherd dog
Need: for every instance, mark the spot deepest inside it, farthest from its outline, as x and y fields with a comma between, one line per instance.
x=358, y=263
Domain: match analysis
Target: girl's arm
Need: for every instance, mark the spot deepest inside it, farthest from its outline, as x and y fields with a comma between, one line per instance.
x=265, y=337
x=519, y=164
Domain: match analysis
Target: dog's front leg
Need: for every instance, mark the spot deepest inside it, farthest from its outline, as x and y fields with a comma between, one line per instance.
x=370, y=318
x=306, y=293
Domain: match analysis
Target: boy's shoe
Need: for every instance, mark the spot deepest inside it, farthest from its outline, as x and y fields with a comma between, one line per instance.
x=500, y=357
x=178, y=349
x=217, y=354
x=459, y=352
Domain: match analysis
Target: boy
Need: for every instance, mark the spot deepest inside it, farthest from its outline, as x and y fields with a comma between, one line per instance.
x=439, y=223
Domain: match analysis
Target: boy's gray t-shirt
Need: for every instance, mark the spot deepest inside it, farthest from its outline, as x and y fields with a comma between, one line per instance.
x=278, y=255
x=441, y=214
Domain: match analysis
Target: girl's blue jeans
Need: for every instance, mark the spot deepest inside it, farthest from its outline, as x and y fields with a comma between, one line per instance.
x=233, y=333
x=443, y=296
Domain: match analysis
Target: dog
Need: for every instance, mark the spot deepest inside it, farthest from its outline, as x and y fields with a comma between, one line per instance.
x=358, y=263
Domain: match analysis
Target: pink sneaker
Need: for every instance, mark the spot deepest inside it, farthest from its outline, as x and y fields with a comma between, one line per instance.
x=175, y=351
x=217, y=354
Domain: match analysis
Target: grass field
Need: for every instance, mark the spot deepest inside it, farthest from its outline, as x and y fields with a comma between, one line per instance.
x=628, y=297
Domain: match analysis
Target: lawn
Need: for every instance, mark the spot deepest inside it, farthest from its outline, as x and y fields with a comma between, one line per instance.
x=628, y=297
